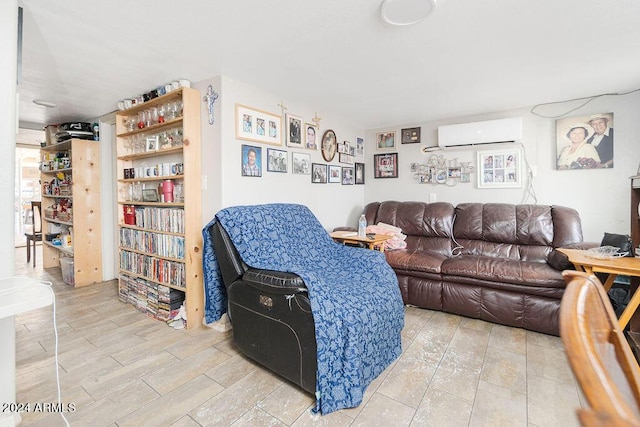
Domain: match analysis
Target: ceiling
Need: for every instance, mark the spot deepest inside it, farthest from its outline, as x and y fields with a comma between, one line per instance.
x=338, y=57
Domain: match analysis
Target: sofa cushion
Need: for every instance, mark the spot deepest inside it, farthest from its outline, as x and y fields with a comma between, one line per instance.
x=418, y=218
x=417, y=261
x=566, y=226
x=523, y=232
x=502, y=250
x=534, y=274
x=504, y=223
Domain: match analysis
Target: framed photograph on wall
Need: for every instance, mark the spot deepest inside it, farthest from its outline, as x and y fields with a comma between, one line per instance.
x=318, y=173
x=258, y=126
x=301, y=163
x=500, y=168
x=454, y=172
x=294, y=131
x=311, y=136
x=410, y=135
x=334, y=174
x=585, y=142
x=385, y=165
x=359, y=172
x=276, y=160
x=347, y=175
x=359, y=146
x=386, y=140
x=329, y=145
x=251, y=160
x=345, y=158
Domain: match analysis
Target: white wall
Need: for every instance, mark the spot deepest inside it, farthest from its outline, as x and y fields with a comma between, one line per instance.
x=109, y=205
x=211, y=138
x=334, y=204
x=8, y=130
x=602, y=197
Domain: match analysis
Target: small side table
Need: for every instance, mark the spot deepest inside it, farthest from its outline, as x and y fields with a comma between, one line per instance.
x=628, y=266
x=378, y=240
x=17, y=295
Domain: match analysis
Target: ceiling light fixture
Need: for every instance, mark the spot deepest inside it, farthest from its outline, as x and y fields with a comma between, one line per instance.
x=44, y=103
x=406, y=12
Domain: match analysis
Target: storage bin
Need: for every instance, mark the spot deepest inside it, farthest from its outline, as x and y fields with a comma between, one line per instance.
x=66, y=264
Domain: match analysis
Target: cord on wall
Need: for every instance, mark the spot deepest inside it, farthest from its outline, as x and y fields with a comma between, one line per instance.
x=529, y=191
x=586, y=100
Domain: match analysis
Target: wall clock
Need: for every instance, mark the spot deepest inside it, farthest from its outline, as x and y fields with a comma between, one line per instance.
x=329, y=145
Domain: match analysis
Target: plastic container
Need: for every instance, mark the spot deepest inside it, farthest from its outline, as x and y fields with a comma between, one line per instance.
x=65, y=239
x=129, y=214
x=66, y=264
x=362, y=226
x=167, y=190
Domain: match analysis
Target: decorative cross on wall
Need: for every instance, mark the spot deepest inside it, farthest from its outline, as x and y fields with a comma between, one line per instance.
x=210, y=98
x=282, y=107
x=316, y=120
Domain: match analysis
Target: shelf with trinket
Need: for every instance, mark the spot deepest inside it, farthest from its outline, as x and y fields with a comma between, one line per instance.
x=158, y=181
x=67, y=169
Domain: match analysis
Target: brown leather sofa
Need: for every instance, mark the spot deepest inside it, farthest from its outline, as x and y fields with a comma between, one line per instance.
x=495, y=262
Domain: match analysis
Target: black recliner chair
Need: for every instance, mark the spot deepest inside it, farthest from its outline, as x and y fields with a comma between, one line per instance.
x=270, y=314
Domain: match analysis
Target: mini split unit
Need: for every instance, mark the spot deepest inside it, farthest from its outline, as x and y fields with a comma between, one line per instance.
x=486, y=132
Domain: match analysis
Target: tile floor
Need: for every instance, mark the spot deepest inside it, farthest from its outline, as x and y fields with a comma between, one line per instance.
x=120, y=368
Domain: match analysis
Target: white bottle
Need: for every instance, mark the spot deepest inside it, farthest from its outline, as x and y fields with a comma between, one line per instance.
x=362, y=226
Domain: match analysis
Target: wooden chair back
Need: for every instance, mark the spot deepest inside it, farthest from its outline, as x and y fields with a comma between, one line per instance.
x=33, y=223
x=36, y=208
x=599, y=354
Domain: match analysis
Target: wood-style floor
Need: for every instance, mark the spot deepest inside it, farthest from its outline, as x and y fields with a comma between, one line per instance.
x=121, y=368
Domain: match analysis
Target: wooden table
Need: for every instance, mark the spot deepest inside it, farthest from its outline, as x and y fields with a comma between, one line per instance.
x=628, y=266
x=378, y=240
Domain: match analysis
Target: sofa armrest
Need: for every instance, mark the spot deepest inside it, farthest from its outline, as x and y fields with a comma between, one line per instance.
x=275, y=282
x=582, y=245
x=560, y=261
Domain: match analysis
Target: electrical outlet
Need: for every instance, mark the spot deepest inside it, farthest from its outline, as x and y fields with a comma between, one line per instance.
x=432, y=197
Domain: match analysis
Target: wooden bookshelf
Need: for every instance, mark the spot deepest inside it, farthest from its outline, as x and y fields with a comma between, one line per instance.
x=78, y=162
x=160, y=241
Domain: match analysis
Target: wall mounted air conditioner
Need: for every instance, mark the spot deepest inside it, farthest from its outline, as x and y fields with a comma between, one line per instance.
x=486, y=132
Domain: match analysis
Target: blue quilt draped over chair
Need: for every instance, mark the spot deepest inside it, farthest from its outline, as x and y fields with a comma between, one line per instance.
x=354, y=294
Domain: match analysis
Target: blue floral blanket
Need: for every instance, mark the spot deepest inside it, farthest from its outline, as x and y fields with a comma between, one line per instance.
x=354, y=294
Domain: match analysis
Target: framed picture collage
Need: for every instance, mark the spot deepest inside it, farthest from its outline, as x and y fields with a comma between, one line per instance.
x=290, y=146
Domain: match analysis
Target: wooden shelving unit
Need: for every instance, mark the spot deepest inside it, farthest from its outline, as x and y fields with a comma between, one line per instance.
x=634, y=324
x=635, y=215
x=78, y=162
x=160, y=242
